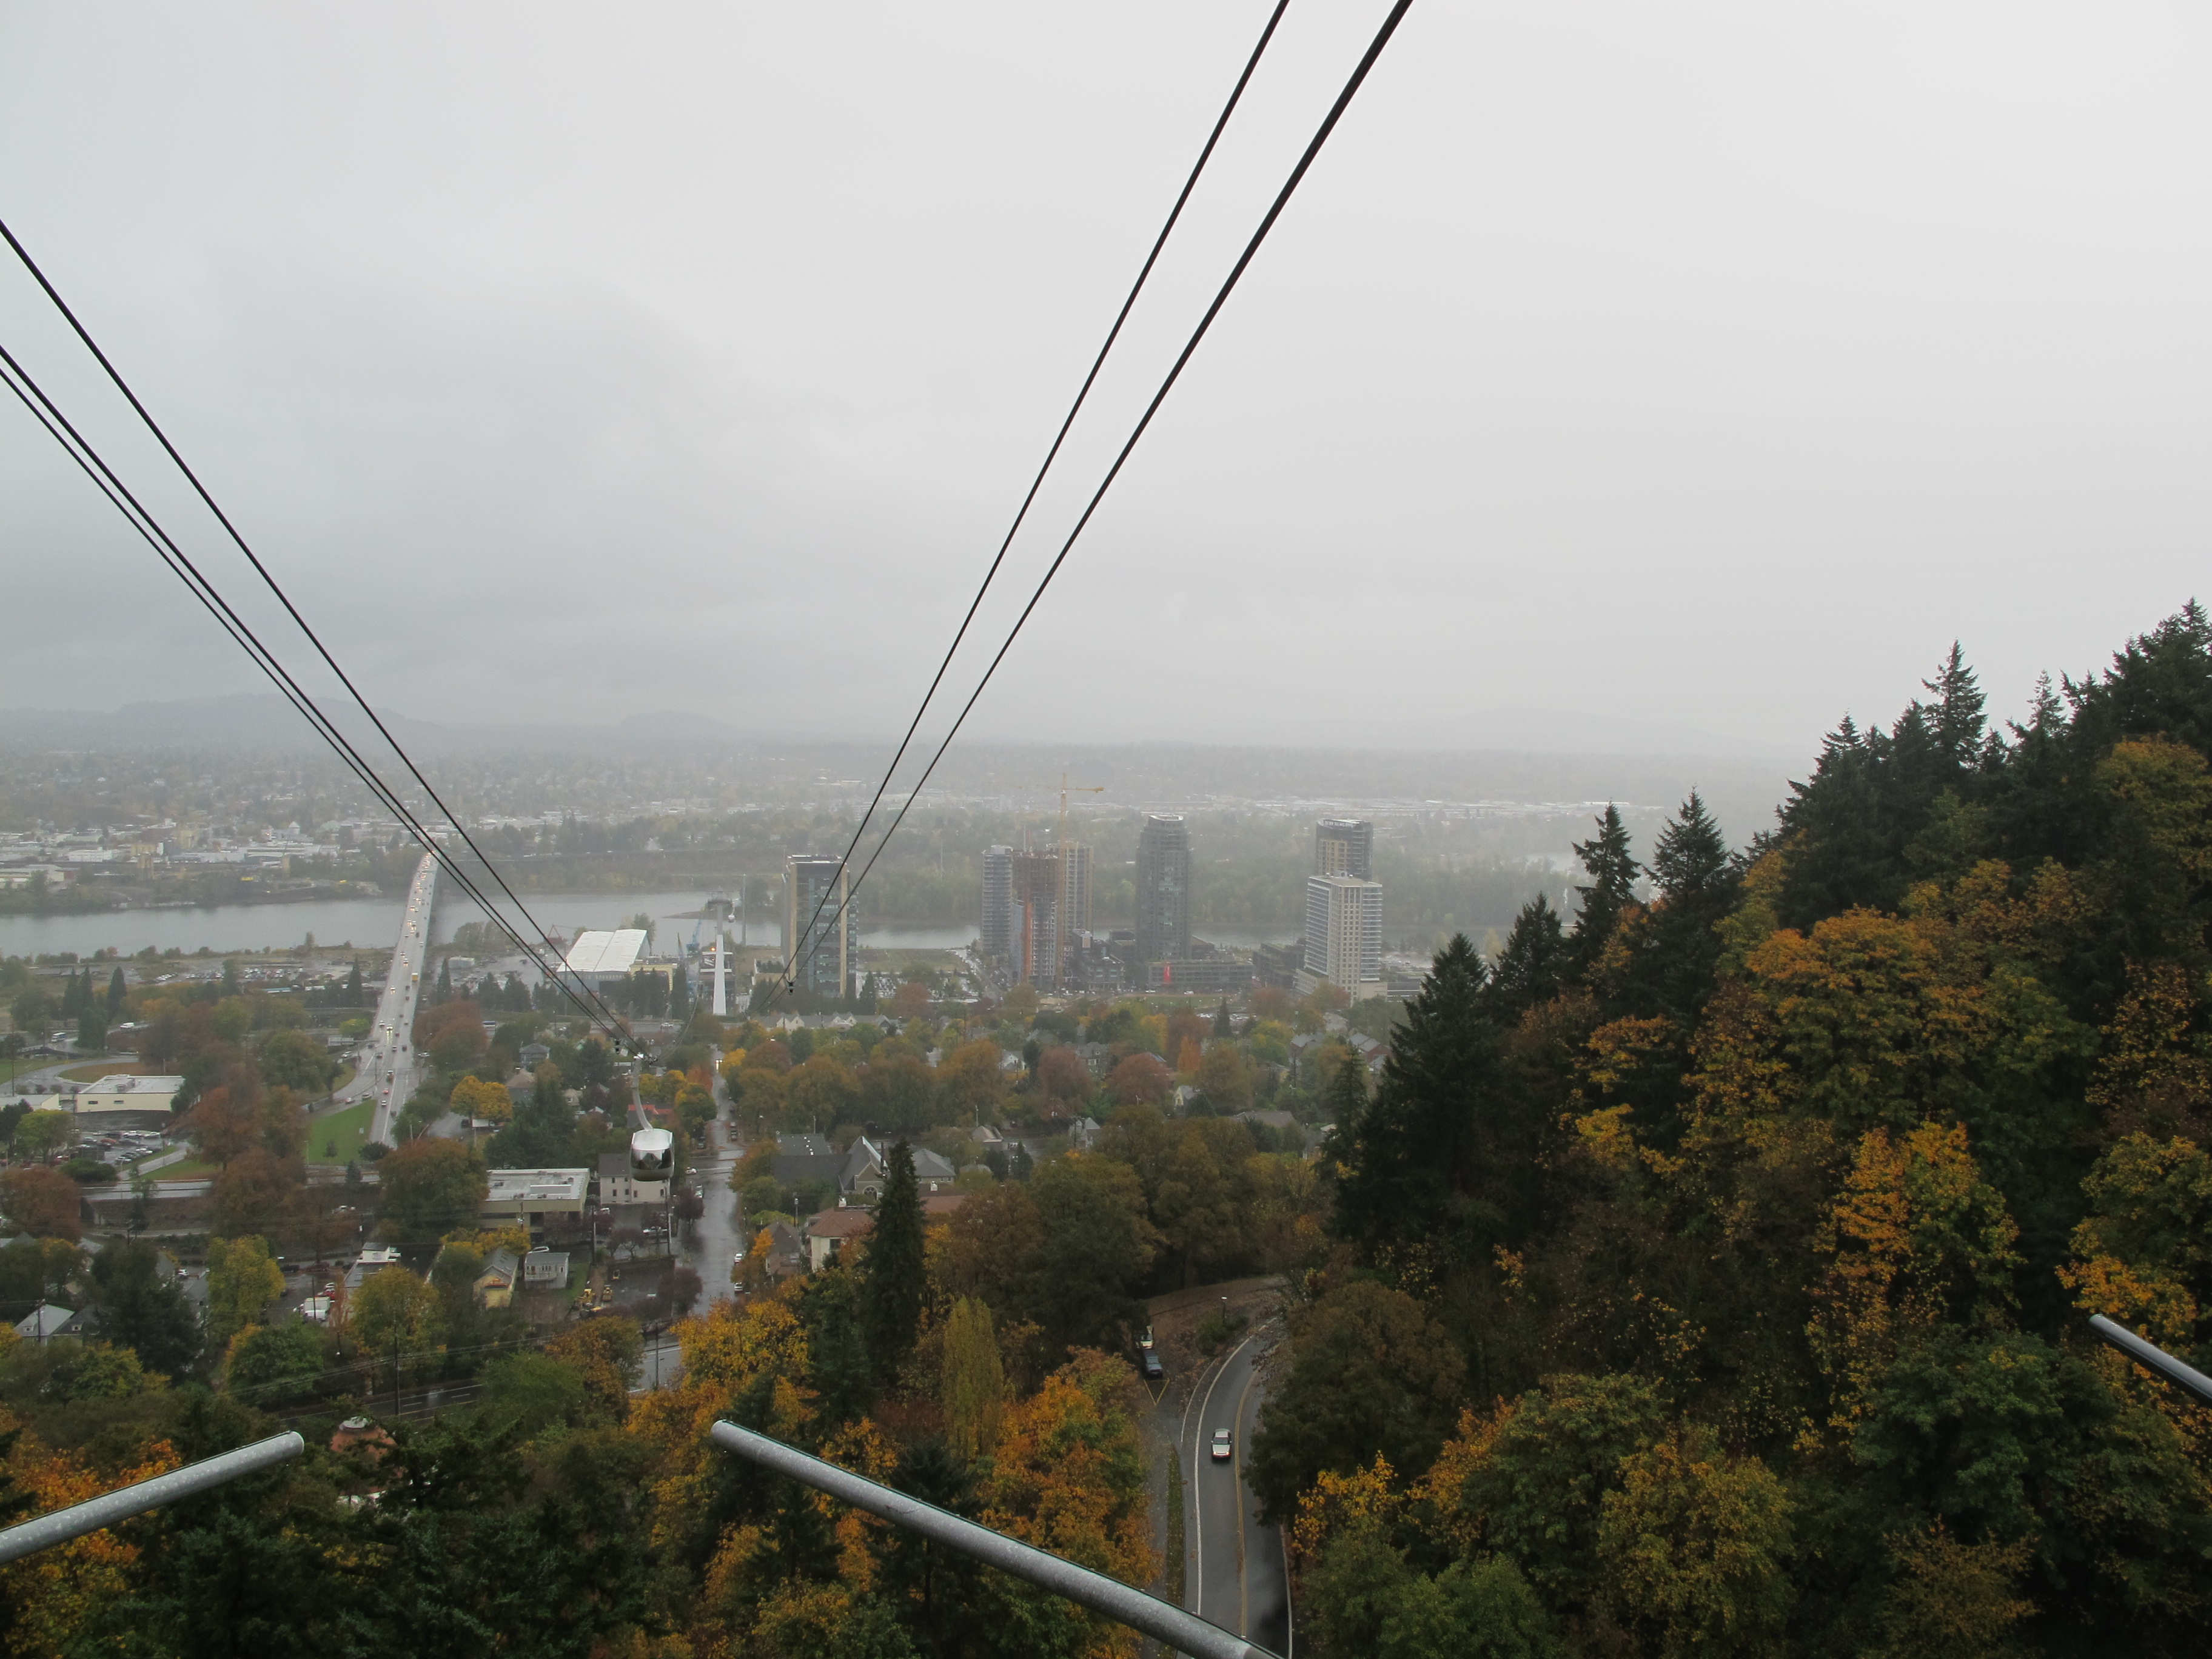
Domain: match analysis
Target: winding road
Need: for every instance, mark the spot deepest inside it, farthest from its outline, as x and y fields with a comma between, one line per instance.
x=1236, y=1575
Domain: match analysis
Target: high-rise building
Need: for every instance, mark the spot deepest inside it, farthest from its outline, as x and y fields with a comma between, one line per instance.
x=1163, y=888
x=996, y=937
x=1038, y=935
x=1074, y=888
x=820, y=954
x=1345, y=847
x=1344, y=933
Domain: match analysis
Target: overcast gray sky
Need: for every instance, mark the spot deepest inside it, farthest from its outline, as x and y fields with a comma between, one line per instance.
x=1685, y=372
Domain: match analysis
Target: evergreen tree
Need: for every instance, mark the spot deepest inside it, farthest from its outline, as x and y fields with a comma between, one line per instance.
x=1436, y=1161
x=1955, y=719
x=1534, y=964
x=1691, y=858
x=1018, y=1163
x=893, y=1277
x=444, y=992
x=1670, y=967
x=118, y=988
x=1222, y=1026
x=134, y=1308
x=73, y=996
x=353, y=994
x=1612, y=885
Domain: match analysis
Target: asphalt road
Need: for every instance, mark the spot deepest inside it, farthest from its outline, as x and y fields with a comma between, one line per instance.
x=1237, y=1578
x=712, y=1242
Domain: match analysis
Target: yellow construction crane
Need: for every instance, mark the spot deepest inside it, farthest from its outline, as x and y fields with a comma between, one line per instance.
x=1065, y=790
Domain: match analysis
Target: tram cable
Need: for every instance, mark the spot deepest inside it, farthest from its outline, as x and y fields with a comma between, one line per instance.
x=88, y=461
x=1059, y=438
x=606, y=1016
x=1251, y=248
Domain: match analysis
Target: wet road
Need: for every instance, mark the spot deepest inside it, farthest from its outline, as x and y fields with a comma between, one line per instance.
x=1237, y=1578
x=710, y=1242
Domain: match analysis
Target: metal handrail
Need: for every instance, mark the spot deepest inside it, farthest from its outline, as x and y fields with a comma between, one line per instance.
x=59, y=1526
x=1125, y=1604
x=2153, y=1358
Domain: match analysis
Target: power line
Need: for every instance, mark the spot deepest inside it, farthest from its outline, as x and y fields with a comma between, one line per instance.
x=1083, y=393
x=314, y=639
x=88, y=461
x=1282, y=199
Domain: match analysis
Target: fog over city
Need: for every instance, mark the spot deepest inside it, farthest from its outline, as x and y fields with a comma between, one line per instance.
x=1622, y=379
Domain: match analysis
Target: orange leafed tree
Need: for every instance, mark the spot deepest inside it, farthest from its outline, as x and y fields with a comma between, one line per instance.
x=53, y=1592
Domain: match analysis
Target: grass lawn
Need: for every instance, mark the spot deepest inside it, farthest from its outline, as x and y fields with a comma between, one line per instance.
x=337, y=1136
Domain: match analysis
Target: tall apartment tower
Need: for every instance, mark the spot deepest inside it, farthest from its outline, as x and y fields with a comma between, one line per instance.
x=1345, y=847
x=1344, y=933
x=1163, y=889
x=996, y=937
x=1074, y=888
x=1039, y=939
x=815, y=887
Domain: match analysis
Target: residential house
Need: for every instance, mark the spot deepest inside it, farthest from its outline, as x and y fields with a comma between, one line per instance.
x=47, y=1321
x=862, y=1176
x=495, y=1287
x=1096, y=1056
x=826, y=1234
x=545, y=1270
x=1083, y=1134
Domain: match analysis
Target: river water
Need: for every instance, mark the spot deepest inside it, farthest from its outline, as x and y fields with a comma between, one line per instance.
x=375, y=923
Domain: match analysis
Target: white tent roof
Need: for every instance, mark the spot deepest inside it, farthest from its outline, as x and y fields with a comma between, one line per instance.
x=603, y=952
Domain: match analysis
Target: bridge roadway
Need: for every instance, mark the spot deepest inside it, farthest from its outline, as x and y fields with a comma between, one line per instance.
x=388, y=1067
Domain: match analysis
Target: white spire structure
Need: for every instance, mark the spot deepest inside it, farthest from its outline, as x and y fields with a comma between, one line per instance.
x=721, y=984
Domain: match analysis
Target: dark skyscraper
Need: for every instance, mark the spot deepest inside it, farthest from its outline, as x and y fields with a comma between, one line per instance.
x=1163, y=889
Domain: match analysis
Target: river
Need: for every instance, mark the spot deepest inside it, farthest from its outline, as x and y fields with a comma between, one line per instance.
x=374, y=923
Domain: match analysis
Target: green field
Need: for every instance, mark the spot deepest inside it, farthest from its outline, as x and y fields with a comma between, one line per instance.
x=336, y=1137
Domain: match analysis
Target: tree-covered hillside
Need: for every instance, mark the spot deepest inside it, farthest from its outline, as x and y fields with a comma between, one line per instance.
x=1712, y=1275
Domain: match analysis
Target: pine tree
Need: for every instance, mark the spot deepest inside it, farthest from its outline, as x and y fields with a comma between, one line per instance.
x=72, y=996
x=1692, y=855
x=1612, y=885
x=1534, y=964
x=118, y=988
x=353, y=986
x=1956, y=718
x=445, y=987
x=1669, y=972
x=893, y=1275
x=1222, y=1026
x=1436, y=1162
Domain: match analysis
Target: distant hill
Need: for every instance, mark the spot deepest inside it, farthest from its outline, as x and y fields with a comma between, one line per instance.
x=1543, y=756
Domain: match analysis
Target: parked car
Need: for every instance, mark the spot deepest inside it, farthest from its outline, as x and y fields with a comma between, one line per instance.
x=1154, y=1371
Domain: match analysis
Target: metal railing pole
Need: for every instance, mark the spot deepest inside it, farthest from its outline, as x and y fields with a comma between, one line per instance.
x=78, y=1519
x=1184, y=1631
x=2152, y=1358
